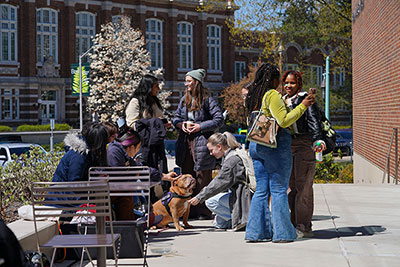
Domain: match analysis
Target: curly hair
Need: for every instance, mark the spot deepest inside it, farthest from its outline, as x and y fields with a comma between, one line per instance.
x=264, y=76
x=297, y=75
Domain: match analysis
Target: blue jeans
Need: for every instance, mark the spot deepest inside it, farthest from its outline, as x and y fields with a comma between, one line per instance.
x=219, y=204
x=272, y=168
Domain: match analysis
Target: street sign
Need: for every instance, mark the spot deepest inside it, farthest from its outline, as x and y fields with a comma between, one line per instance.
x=52, y=121
x=75, y=79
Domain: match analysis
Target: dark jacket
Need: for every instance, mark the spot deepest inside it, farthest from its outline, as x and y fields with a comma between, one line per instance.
x=231, y=176
x=153, y=151
x=74, y=165
x=118, y=157
x=310, y=122
x=210, y=119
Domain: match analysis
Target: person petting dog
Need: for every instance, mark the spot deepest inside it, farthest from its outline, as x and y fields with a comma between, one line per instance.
x=226, y=195
x=122, y=152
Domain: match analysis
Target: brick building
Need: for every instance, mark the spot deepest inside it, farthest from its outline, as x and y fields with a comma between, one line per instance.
x=40, y=39
x=376, y=98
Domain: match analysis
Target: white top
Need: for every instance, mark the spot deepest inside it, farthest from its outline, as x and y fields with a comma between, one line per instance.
x=132, y=112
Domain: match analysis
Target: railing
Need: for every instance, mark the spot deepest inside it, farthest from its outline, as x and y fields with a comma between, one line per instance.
x=396, y=157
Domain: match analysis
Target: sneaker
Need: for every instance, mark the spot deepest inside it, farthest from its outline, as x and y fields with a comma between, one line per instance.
x=299, y=233
x=308, y=234
x=239, y=227
x=154, y=219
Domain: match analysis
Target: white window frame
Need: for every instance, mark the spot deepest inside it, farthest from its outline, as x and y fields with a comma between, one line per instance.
x=339, y=77
x=84, y=33
x=185, y=46
x=240, y=70
x=154, y=42
x=291, y=66
x=214, y=48
x=316, y=74
x=10, y=110
x=8, y=29
x=51, y=34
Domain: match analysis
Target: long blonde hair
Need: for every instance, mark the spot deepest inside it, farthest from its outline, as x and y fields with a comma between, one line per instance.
x=226, y=139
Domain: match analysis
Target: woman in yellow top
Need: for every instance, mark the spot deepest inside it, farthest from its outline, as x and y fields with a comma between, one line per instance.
x=272, y=166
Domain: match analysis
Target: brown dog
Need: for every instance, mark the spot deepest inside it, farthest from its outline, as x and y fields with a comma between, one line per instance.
x=174, y=204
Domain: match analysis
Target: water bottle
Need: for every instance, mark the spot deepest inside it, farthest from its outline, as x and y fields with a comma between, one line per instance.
x=318, y=155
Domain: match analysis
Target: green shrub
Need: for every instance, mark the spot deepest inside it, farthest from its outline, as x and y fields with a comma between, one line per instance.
x=329, y=171
x=38, y=128
x=17, y=176
x=59, y=147
x=4, y=128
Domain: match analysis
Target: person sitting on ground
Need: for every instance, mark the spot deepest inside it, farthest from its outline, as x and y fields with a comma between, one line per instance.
x=121, y=152
x=231, y=207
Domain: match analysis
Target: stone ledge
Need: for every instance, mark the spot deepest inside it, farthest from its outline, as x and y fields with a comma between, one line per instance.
x=25, y=232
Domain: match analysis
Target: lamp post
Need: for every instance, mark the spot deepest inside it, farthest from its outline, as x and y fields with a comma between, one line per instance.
x=281, y=49
x=80, y=87
x=327, y=87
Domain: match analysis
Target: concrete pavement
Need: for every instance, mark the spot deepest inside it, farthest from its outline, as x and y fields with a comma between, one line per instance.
x=354, y=225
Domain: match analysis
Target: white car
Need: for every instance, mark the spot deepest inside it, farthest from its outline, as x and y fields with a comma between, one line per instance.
x=8, y=149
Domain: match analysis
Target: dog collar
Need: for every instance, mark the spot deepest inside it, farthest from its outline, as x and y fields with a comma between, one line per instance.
x=168, y=197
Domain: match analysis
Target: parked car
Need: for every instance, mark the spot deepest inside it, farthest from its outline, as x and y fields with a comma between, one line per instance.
x=344, y=142
x=8, y=149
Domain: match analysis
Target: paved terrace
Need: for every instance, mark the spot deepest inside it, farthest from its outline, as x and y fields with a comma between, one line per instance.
x=354, y=225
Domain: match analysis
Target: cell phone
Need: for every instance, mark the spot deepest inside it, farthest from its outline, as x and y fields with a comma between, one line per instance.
x=312, y=91
x=165, y=121
x=177, y=170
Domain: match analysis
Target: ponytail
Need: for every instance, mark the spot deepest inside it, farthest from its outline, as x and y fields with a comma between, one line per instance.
x=225, y=139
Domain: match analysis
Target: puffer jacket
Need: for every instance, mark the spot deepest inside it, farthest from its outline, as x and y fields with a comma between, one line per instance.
x=231, y=176
x=75, y=164
x=210, y=119
x=309, y=123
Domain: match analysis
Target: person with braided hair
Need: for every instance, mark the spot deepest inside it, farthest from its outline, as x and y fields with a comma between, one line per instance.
x=272, y=166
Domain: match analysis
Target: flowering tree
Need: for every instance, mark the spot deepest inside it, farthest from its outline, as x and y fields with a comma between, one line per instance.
x=118, y=62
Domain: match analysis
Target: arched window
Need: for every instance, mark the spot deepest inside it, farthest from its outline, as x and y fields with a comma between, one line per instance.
x=85, y=30
x=154, y=40
x=185, y=45
x=47, y=34
x=214, y=47
x=8, y=33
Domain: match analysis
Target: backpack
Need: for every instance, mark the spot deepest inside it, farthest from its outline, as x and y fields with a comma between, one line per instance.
x=328, y=133
x=248, y=165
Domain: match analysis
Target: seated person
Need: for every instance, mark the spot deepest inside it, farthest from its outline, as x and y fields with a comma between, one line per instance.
x=227, y=187
x=122, y=152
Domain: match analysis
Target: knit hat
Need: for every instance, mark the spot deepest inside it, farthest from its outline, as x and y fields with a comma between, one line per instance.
x=198, y=74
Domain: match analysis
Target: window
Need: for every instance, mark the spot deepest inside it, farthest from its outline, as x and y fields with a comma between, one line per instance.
x=240, y=70
x=47, y=28
x=9, y=104
x=214, y=47
x=8, y=33
x=85, y=29
x=154, y=41
x=339, y=77
x=185, y=50
x=316, y=75
x=291, y=67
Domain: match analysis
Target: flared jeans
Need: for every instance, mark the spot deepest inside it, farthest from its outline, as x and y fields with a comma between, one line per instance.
x=272, y=168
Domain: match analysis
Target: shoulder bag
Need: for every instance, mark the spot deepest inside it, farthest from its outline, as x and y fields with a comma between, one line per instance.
x=263, y=129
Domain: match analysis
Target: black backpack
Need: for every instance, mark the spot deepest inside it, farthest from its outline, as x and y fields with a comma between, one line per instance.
x=328, y=133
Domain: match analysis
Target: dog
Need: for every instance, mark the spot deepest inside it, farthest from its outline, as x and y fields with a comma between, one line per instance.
x=174, y=204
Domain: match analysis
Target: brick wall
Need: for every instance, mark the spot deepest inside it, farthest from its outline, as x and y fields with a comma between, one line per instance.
x=376, y=76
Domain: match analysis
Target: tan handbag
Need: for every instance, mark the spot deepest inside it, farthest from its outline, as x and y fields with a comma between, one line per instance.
x=263, y=130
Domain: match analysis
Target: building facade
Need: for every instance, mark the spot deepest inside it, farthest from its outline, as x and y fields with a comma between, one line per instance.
x=376, y=98
x=40, y=39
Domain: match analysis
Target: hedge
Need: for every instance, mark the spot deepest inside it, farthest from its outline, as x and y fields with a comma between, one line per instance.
x=5, y=128
x=39, y=128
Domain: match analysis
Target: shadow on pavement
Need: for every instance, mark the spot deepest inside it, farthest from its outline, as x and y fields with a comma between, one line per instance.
x=323, y=217
x=348, y=231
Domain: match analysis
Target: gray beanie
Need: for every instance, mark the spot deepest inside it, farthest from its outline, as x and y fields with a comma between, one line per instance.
x=198, y=74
